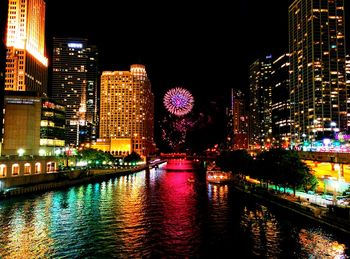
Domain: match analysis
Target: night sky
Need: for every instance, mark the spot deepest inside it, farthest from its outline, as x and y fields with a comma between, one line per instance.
x=194, y=44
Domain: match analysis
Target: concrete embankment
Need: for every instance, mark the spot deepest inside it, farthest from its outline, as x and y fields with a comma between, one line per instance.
x=68, y=179
x=313, y=212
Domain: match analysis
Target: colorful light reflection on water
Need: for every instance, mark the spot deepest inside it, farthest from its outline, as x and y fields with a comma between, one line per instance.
x=157, y=214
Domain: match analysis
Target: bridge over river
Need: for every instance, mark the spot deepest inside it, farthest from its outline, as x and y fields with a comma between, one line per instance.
x=331, y=157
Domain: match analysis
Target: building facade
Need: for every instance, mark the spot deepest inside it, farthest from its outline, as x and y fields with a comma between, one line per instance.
x=318, y=91
x=347, y=70
x=33, y=124
x=3, y=13
x=126, y=112
x=260, y=102
x=26, y=63
x=75, y=82
x=52, y=127
x=239, y=121
x=281, y=122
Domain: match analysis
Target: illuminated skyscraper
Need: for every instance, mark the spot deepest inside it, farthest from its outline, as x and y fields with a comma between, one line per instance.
x=3, y=13
x=281, y=122
x=75, y=83
x=260, y=102
x=126, y=112
x=348, y=72
x=317, y=68
x=26, y=63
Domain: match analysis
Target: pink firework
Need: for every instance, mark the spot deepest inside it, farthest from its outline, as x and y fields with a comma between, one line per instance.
x=178, y=101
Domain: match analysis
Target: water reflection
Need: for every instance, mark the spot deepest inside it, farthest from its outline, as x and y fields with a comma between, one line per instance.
x=317, y=244
x=262, y=227
x=25, y=234
x=156, y=214
x=178, y=230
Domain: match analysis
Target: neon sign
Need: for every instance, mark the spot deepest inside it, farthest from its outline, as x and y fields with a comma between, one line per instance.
x=340, y=136
x=75, y=45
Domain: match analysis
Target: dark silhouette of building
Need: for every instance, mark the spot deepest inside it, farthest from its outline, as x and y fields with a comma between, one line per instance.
x=238, y=121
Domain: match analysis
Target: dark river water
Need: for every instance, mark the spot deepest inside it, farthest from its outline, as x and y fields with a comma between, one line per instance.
x=158, y=214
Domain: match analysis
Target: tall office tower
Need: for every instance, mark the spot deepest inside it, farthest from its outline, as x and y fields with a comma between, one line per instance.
x=260, y=102
x=347, y=71
x=126, y=112
x=26, y=63
x=317, y=68
x=239, y=120
x=75, y=83
x=281, y=122
x=3, y=13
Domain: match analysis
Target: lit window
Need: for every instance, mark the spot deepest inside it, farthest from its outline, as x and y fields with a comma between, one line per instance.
x=15, y=169
x=27, y=168
x=37, y=169
x=3, y=171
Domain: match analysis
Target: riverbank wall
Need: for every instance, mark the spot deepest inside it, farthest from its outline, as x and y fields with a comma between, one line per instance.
x=40, y=183
x=321, y=215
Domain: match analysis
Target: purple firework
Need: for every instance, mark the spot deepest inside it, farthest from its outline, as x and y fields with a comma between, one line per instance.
x=178, y=101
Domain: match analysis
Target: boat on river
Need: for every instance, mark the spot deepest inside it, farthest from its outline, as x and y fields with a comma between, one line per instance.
x=219, y=176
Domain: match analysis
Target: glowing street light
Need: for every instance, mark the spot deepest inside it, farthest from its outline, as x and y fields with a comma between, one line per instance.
x=20, y=152
x=42, y=152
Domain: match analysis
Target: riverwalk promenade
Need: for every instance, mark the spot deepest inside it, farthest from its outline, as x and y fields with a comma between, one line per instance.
x=330, y=216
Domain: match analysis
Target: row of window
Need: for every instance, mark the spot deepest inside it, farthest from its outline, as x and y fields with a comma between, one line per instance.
x=27, y=170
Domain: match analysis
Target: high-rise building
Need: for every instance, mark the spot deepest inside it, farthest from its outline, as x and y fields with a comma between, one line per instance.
x=318, y=91
x=281, y=122
x=26, y=63
x=260, y=102
x=347, y=70
x=75, y=83
x=126, y=112
x=239, y=120
x=3, y=13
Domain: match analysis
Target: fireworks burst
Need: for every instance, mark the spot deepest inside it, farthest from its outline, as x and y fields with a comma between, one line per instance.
x=178, y=101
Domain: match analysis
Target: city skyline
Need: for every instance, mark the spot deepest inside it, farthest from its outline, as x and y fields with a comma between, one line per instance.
x=197, y=68
x=180, y=43
x=189, y=44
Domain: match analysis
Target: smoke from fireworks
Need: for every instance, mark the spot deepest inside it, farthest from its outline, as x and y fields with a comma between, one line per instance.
x=178, y=101
x=174, y=130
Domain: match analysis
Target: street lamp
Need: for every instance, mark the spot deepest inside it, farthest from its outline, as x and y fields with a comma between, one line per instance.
x=20, y=152
x=42, y=152
x=333, y=128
